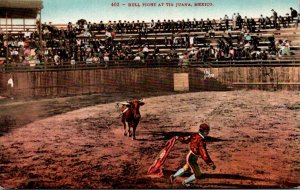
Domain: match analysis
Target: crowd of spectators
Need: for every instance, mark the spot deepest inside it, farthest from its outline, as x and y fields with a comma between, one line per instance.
x=80, y=43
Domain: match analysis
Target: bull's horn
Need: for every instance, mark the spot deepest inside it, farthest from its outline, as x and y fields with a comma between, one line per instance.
x=124, y=103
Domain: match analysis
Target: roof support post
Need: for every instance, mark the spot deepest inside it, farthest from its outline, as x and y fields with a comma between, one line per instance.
x=40, y=35
x=6, y=37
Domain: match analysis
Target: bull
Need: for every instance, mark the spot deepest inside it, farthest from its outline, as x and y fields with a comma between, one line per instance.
x=131, y=116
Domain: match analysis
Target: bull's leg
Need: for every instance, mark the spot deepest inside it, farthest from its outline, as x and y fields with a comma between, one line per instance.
x=125, y=128
x=129, y=130
x=134, y=129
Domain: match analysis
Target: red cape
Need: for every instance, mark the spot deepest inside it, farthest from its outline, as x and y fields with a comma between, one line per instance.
x=156, y=167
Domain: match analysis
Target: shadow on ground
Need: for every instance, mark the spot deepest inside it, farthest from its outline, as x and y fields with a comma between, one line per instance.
x=168, y=135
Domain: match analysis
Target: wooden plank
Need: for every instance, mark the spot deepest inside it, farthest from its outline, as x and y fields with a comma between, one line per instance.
x=181, y=81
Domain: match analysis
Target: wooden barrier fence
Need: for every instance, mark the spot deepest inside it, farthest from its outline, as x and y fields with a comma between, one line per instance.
x=59, y=83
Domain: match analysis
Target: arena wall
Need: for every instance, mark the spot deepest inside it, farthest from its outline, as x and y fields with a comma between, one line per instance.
x=75, y=82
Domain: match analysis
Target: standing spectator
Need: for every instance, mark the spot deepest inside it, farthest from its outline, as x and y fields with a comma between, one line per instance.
x=188, y=25
x=252, y=25
x=201, y=24
x=246, y=23
x=262, y=22
x=294, y=14
x=208, y=25
x=119, y=27
x=10, y=83
x=275, y=17
x=298, y=20
x=220, y=25
x=234, y=20
x=226, y=19
x=288, y=20
x=152, y=26
x=194, y=24
x=70, y=26
x=239, y=20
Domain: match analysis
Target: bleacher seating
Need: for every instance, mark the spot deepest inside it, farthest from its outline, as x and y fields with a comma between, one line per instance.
x=161, y=42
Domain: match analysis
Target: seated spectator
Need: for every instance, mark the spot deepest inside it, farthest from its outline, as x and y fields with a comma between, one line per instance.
x=211, y=33
x=145, y=51
x=181, y=57
x=15, y=55
x=247, y=37
x=231, y=53
x=185, y=60
x=27, y=34
x=73, y=62
x=264, y=55
x=247, y=45
x=57, y=59
x=108, y=35
x=86, y=33
x=106, y=57
x=89, y=60
x=137, y=57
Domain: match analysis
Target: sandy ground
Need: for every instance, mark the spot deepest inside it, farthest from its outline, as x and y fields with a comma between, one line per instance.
x=254, y=142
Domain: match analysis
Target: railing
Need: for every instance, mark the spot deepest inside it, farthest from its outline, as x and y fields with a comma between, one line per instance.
x=147, y=64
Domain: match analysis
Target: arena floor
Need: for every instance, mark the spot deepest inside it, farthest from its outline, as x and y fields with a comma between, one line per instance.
x=254, y=142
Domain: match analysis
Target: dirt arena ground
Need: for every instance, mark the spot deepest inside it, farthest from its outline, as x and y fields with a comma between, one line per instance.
x=254, y=141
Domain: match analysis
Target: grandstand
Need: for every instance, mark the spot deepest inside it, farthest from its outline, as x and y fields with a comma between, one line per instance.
x=257, y=52
x=16, y=17
x=213, y=42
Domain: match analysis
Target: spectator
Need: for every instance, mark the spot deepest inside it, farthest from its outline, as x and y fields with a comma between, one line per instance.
x=57, y=59
x=145, y=51
x=294, y=14
x=239, y=20
x=275, y=17
x=234, y=21
x=288, y=19
x=89, y=60
x=201, y=25
x=27, y=34
x=73, y=62
x=226, y=19
x=281, y=21
x=247, y=37
x=298, y=20
x=191, y=40
x=268, y=22
x=262, y=22
x=211, y=33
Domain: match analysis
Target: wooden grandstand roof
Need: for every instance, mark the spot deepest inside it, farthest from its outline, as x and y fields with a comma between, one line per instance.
x=20, y=8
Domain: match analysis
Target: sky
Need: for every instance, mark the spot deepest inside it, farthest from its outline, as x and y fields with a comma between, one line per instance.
x=64, y=11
